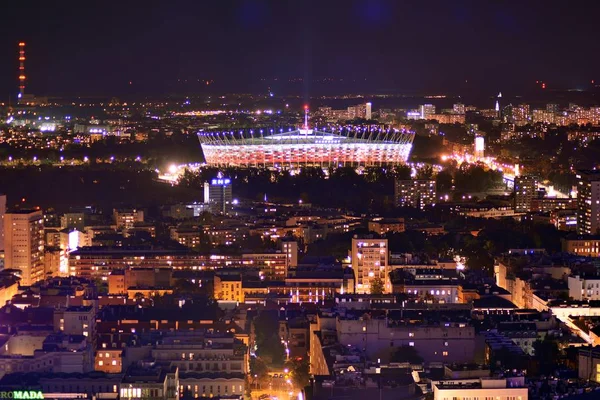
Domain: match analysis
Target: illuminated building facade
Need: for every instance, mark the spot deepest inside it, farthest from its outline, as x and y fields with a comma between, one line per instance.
x=306, y=147
x=479, y=146
x=385, y=225
x=370, y=262
x=458, y=108
x=368, y=113
x=218, y=195
x=564, y=220
x=415, y=193
x=2, y=213
x=513, y=388
x=448, y=118
x=526, y=188
x=290, y=247
x=582, y=245
x=588, y=202
x=427, y=110
x=24, y=244
x=99, y=262
x=127, y=218
x=228, y=288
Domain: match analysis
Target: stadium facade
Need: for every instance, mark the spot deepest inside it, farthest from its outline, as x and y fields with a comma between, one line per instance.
x=307, y=147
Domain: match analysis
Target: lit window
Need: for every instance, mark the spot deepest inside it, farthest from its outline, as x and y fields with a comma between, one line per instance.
x=411, y=344
x=445, y=353
x=100, y=363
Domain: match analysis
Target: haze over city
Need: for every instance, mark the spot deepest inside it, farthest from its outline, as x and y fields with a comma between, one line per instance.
x=91, y=48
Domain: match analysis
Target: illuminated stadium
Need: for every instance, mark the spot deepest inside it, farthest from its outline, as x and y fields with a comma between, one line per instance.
x=307, y=147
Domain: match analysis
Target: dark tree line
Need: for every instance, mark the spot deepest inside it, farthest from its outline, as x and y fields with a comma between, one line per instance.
x=344, y=188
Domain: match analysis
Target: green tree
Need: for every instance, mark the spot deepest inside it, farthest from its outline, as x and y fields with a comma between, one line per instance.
x=547, y=353
x=407, y=354
x=300, y=372
x=185, y=286
x=443, y=181
x=377, y=286
x=258, y=367
x=425, y=172
x=268, y=343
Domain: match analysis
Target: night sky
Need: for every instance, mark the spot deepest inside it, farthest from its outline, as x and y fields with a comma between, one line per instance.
x=90, y=47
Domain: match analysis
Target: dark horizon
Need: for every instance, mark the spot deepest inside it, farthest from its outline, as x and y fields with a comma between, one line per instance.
x=305, y=48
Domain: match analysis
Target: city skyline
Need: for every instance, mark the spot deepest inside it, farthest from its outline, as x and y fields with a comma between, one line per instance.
x=276, y=200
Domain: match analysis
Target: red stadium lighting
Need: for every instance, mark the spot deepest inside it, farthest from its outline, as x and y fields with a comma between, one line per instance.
x=307, y=147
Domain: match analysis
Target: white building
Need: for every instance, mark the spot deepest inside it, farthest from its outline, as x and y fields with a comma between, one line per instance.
x=369, y=262
x=483, y=388
x=479, y=147
x=24, y=244
x=447, y=342
x=584, y=287
x=150, y=382
x=198, y=384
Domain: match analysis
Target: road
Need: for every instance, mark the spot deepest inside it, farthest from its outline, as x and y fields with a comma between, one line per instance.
x=508, y=171
x=279, y=388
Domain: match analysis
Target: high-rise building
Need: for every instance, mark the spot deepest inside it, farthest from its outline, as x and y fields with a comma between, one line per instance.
x=543, y=116
x=2, y=212
x=73, y=220
x=360, y=111
x=526, y=187
x=290, y=248
x=588, y=202
x=125, y=218
x=479, y=146
x=370, y=262
x=458, y=108
x=218, y=194
x=427, y=110
x=416, y=193
x=24, y=244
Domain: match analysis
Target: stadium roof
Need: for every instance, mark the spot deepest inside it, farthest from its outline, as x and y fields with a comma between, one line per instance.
x=306, y=136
